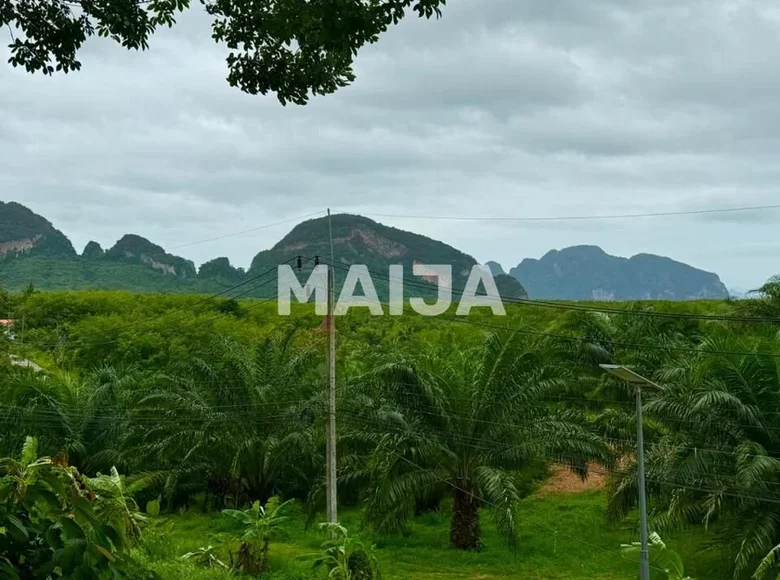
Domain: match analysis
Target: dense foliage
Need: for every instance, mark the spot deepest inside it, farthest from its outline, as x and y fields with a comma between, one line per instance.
x=291, y=48
x=55, y=522
x=182, y=401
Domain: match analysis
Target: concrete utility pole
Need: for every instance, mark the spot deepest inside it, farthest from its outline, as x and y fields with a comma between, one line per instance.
x=331, y=475
x=638, y=381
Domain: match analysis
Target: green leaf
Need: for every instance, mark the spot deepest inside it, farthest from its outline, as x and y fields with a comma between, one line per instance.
x=17, y=528
x=153, y=507
x=29, y=450
x=53, y=538
x=7, y=570
x=71, y=528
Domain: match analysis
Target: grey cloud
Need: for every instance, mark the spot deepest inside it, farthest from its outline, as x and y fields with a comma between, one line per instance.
x=502, y=107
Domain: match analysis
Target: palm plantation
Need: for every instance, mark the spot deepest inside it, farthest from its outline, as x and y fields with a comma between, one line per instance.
x=437, y=422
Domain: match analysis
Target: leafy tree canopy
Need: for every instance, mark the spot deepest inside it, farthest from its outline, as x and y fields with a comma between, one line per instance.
x=292, y=48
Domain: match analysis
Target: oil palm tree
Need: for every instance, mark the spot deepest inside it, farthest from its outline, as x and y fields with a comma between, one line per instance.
x=81, y=417
x=229, y=422
x=470, y=419
x=763, y=301
x=633, y=337
x=47, y=406
x=717, y=456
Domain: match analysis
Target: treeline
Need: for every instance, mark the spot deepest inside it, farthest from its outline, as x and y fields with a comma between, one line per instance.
x=220, y=403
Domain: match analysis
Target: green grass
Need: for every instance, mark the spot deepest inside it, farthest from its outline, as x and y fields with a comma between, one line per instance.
x=562, y=537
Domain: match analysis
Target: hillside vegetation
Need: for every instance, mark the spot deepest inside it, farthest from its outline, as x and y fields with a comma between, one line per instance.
x=32, y=251
x=36, y=253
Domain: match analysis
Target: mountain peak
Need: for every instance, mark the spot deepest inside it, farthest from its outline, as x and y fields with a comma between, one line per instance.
x=93, y=250
x=584, y=250
x=589, y=273
x=221, y=269
x=360, y=240
x=347, y=230
x=23, y=232
x=135, y=248
x=495, y=268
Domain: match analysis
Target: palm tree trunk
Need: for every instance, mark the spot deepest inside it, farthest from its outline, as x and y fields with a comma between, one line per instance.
x=464, y=528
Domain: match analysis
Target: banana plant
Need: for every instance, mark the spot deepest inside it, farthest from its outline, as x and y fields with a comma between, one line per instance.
x=260, y=524
x=49, y=524
x=345, y=557
x=115, y=504
x=667, y=560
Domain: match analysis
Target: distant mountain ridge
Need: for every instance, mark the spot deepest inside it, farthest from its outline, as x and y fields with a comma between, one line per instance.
x=35, y=252
x=589, y=273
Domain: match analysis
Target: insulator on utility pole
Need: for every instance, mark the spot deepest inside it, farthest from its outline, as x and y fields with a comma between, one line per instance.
x=298, y=262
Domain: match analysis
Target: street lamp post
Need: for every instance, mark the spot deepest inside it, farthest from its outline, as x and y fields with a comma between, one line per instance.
x=638, y=381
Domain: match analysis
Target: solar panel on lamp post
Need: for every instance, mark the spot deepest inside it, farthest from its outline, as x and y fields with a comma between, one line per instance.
x=638, y=381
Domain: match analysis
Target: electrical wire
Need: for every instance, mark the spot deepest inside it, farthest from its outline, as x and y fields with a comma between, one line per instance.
x=242, y=232
x=575, y=218
x=418, y=284
x=639, y=346
x=558, y=458
x=184, y=309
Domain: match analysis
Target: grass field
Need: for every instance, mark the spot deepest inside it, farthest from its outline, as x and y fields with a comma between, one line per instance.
x=563, y=537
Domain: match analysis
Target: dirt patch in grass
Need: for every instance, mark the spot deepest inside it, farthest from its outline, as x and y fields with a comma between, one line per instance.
x=562, y=480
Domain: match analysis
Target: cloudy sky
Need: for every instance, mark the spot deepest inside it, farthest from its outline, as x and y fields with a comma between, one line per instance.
x=510, y=108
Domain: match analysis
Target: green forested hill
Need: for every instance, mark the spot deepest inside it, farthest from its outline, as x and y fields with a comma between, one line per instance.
x=79, y=273
x=33, y=252
x=359, y=240
x=23, y=232
x=589, y=273
x=38, y=254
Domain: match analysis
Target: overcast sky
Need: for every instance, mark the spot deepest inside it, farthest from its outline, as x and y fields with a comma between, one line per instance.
x=501, y=108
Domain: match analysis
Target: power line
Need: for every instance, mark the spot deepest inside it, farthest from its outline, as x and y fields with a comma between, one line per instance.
x=579, y=217
x=581, y=307
x=638, y=346
x=647, y=313
x=669, y=348
x=242, y=232
x=187, y=308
